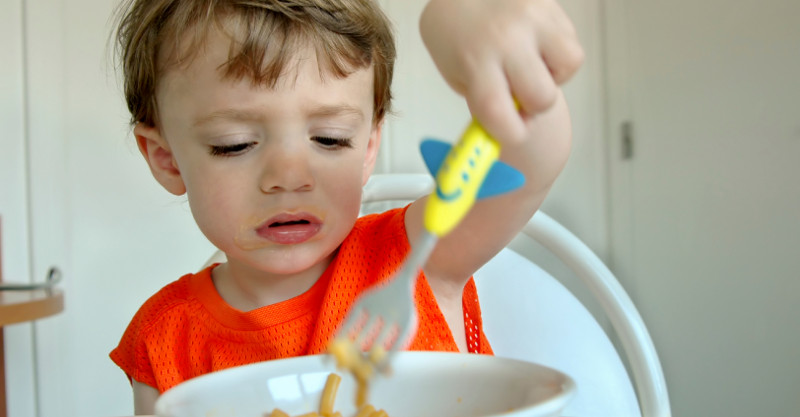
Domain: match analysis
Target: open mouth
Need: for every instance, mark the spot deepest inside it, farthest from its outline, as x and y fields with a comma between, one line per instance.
x=290, y=228
x=289, y=223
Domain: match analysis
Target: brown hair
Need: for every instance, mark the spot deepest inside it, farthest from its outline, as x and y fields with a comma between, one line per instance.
x=347, y=34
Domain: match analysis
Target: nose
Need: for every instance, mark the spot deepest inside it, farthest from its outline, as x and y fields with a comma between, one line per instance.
x=287, y=168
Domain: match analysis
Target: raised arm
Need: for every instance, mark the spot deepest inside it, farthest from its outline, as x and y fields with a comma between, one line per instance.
x=493, y=51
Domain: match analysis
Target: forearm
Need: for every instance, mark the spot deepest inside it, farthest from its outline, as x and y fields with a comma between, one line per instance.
x=542, y=155
x=493, y=222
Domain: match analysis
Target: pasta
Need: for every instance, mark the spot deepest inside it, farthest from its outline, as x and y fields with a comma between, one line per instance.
x=329, y=394
x=366, y=411
x=327, y=401
x=361, y=366
x=350, y=358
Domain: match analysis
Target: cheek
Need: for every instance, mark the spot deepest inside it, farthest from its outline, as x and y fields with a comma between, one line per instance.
x=344, y=188
x=214, y=206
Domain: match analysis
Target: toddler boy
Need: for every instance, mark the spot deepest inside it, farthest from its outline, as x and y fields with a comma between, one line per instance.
x=267, y=114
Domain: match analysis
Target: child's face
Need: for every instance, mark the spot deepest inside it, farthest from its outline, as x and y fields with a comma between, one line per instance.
x=273, y=176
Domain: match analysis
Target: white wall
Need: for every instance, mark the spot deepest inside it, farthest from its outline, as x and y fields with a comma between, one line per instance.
x=14, y=203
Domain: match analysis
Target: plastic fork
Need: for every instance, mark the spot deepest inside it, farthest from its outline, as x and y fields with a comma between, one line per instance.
x=385, y=317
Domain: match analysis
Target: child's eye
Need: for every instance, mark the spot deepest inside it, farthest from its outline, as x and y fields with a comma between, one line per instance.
x=333, y=143
x=229, y=150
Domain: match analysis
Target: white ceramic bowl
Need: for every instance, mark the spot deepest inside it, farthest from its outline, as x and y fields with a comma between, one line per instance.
x=421, y=384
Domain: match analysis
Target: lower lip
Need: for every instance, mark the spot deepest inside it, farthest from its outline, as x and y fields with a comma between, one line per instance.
x=289, y=235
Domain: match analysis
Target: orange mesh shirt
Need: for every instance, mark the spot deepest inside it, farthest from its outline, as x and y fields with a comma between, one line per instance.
x=186, y=329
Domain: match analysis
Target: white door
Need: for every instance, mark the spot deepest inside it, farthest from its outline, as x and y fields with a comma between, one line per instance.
x=706, y=212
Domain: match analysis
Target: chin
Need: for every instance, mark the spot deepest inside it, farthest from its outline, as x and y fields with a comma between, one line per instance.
x=291, y=262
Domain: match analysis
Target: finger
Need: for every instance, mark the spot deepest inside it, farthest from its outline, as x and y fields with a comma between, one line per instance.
x=559, y=45
x=531, y=83
x=490, y=102
x=563, y=56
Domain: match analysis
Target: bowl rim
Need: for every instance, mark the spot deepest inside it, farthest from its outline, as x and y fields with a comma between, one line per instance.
x=547, y=406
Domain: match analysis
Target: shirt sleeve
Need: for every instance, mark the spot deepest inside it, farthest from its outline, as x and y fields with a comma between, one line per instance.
x=131, y=352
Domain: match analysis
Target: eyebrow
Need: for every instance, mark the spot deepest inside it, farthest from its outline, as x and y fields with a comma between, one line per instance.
x=321, y=111
x=336, y=110
x=229, y=114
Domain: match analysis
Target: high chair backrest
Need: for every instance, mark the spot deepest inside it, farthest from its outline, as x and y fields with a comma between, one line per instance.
x=528, y=314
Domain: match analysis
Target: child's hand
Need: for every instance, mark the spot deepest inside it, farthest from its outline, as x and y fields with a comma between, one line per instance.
x=493, y=50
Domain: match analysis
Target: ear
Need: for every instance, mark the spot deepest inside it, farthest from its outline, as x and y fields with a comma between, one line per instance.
x=157, y=153
x=373, y=146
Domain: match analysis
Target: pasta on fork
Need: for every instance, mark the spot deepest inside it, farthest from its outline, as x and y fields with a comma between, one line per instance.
x=362, y=366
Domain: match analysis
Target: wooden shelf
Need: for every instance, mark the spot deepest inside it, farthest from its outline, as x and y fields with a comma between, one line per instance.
x=22, y=306
x=19, y=307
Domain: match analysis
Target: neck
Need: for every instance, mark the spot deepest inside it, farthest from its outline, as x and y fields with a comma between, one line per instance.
x=246, y=288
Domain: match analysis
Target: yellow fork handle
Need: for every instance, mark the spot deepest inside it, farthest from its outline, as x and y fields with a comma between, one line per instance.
x=459, y=179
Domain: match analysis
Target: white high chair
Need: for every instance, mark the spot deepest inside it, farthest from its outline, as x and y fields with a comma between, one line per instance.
x=529, y=315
